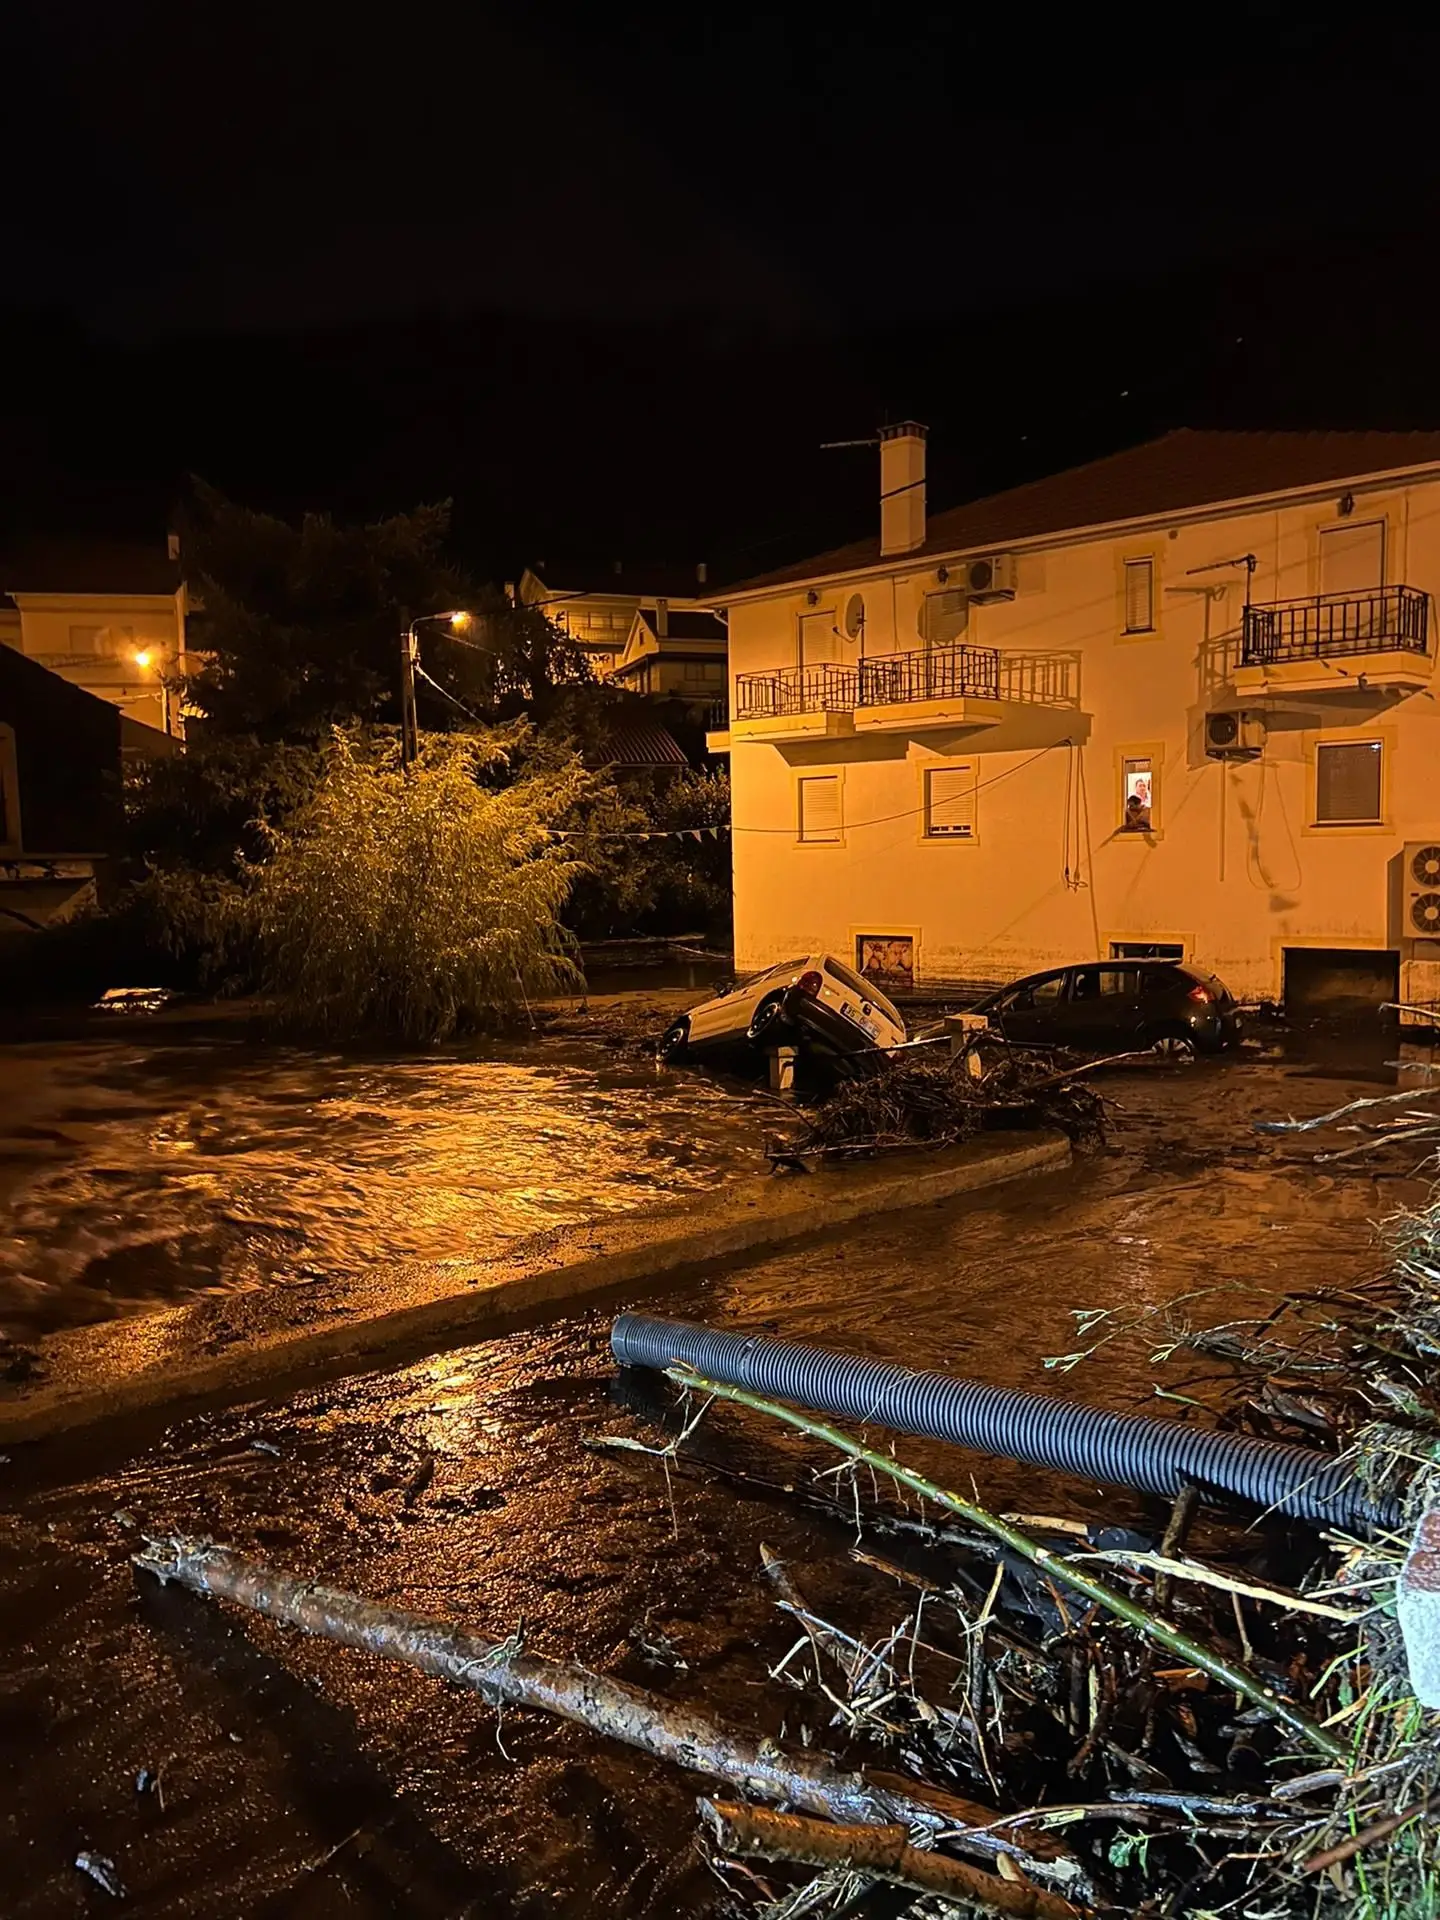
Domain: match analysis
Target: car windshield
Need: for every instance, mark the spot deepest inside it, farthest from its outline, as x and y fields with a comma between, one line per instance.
x=866, y=989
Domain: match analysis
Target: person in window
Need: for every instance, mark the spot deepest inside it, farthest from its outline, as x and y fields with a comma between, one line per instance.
x=1137, y=816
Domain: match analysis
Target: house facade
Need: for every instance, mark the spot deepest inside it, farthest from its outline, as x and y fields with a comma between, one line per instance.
x=675, y=654
x=600, y=611
x=1178, y=702
x=107, y=617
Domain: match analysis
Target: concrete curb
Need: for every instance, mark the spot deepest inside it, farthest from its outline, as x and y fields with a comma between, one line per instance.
x=239, y=1346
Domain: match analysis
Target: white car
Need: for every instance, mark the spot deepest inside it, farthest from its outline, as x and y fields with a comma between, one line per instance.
x=817, y=998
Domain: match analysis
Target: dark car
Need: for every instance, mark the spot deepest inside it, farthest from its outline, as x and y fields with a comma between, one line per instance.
x=1111, y=1006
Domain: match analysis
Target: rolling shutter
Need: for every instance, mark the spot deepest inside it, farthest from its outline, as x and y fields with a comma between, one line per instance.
x=950, y=803
x=820, y=806
x=1139, y=596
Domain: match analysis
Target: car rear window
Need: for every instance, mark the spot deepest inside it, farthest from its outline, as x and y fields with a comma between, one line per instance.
x=1166, y=980
x=857, y=984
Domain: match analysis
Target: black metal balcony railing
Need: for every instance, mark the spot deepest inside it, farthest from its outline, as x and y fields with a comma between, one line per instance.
x=717, y=716
x=1385, y=620
x=930, y=673
x=826, y=688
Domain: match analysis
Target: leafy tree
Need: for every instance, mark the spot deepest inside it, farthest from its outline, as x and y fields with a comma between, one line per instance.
x=302, y=624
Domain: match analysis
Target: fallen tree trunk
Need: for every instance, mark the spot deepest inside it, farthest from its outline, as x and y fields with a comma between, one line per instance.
x=503, y=1675
x=881, y=1853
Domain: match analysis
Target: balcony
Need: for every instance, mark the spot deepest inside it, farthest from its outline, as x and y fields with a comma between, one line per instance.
x=796, y=703
x=931, y=687
x=1332, y=640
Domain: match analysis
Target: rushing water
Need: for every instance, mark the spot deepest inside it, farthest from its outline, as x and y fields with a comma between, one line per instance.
x=309, y=1782
x=135, y=1173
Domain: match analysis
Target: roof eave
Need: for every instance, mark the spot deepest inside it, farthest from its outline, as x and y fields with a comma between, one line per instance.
x=926, y=557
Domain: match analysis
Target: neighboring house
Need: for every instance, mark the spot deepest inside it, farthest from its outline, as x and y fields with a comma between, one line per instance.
x=600, y=610
x=60, y=772
x=1176, y=701
x=108, y=617
x=675, y=654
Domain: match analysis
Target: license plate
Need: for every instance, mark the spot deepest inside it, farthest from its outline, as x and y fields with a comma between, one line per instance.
x=869, y=1026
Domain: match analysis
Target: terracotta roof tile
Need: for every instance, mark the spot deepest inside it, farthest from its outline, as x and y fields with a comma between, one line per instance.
x=1184, y=469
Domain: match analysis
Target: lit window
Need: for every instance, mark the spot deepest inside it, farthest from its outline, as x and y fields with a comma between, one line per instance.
x=819, y=810
x=1348, y=783
x=1137, y=794
x=950, y=803
x=1139, y=596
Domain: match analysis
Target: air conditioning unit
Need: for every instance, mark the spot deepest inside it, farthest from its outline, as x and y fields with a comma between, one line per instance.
x=1234, y=736
x=990, y=578
x=1422, y=890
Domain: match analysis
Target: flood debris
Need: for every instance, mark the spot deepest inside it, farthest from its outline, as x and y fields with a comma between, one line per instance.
x=933, y=1098
x=102, y=1870
x=1195, y=1713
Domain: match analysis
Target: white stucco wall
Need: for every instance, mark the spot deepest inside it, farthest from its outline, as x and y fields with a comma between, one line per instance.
x=1236, y=867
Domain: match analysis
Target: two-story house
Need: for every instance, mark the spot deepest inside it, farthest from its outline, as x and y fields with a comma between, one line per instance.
x=643, y=620
x=106, y=616
x=1178, y=701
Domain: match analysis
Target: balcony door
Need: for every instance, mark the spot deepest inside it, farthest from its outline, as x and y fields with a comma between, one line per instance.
x=1352, y=557
x=1352, y=572
x=819, y=642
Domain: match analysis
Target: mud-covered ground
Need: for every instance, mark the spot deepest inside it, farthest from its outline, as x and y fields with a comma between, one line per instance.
x=302, y=1780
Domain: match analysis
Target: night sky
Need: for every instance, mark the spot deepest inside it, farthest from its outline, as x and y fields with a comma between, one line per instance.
x=610, y=279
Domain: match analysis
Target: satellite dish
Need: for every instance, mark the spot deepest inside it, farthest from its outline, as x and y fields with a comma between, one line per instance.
x=852, y=619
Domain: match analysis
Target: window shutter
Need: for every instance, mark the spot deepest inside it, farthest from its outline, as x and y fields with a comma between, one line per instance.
x=1139, y=596
x=950, y=803
x=1347, y=782
x=820, y=806
x=1352, y=558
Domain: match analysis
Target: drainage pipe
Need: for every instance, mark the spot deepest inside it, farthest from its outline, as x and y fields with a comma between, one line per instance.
x=1124, y=1449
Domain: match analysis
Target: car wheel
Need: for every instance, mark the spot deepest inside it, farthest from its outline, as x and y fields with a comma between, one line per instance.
x=1176, y=1043
x=768, y=1024
x=674, y=1041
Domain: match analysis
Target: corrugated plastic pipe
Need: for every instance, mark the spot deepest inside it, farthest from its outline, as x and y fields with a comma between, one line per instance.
x=1122, y=1449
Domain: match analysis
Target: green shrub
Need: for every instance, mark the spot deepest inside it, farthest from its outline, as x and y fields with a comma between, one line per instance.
x=407, y=905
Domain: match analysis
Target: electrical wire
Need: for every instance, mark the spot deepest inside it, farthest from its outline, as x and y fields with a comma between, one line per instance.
x=913, y=813
x=445, y=694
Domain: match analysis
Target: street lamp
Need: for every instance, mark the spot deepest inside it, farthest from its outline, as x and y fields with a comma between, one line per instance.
x=458, y=620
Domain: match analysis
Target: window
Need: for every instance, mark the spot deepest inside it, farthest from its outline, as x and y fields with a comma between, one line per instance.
x=1140, y=596
x=1096, y=983
x=86, y=640
x=1347, y=783
x=1137, y=794
x=950, y=803
x=1146, y=950
x=819, y=808
x=887, y=956
x=1037, y=997
x=1352, y=557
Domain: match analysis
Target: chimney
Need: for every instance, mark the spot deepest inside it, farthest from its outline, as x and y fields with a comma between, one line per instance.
x=902, y=487
x=702, y=572
x=662, y=618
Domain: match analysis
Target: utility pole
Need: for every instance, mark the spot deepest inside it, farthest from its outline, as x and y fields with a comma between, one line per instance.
x=409, y=723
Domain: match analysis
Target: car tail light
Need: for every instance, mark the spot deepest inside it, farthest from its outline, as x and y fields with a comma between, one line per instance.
x=810, y=983
x=1202, y=994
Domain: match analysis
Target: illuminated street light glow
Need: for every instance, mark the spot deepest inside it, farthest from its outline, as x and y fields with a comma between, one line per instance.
x=460, y=621
x=142, y=658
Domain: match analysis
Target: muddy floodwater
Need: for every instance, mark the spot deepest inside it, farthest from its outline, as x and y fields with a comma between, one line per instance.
x=301, y=1780
x=133, y=1173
